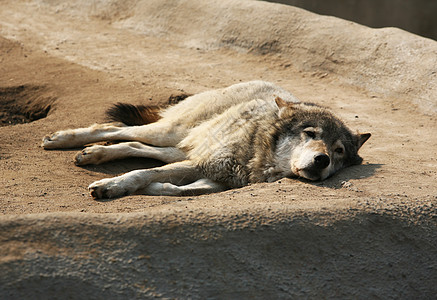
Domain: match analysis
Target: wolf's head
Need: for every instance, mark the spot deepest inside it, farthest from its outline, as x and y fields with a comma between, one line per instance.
x=313, y=143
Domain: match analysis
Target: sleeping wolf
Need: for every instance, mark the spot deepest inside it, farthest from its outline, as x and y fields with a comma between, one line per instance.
x=246, y=133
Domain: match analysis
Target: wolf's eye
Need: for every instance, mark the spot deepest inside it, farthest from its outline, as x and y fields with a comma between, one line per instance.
x=339, y=150
x=310, y=134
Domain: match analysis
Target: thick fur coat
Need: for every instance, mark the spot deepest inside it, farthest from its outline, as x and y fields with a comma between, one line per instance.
x=246, y=133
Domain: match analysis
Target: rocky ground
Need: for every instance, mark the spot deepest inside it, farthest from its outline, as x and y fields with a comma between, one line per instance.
x=369, y=231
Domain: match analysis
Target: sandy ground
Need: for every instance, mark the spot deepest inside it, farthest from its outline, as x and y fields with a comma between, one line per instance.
x=369, y=231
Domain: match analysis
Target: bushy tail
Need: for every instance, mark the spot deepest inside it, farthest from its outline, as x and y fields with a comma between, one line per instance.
x=133, y=115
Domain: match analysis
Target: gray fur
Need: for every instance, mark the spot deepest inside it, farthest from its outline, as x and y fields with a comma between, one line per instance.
x=246, y=133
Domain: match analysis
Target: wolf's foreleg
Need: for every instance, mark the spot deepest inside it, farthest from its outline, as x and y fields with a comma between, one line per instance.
x=199, y=187
x=178, y=173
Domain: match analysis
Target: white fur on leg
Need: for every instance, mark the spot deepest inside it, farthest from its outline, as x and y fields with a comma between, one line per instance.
x=132, y=182
x=159, y=134
x=72, y=138
x=98, y=154
x=201, y=186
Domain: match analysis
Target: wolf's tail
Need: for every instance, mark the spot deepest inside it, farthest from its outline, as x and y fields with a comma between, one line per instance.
x=133, y=115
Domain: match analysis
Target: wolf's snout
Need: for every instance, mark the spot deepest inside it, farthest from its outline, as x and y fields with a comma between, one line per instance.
x=321, y=161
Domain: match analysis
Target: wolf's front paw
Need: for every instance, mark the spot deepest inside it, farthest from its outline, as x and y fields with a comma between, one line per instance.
x=108, y=188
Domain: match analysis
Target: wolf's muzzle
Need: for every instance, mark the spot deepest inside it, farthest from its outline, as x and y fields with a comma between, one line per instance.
x=321, y=161
x=316, y=169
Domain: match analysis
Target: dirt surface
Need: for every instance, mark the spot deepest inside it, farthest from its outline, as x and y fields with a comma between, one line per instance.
x=369, y=231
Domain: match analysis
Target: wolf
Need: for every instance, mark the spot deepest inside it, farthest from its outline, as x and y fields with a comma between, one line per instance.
x=221, y=139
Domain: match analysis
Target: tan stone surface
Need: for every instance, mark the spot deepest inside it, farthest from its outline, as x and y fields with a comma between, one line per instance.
x=369, y=231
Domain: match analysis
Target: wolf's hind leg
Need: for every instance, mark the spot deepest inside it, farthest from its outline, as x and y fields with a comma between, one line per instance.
x=98, y=154
x=161, y=133
x=73, y=138
x=199, y=187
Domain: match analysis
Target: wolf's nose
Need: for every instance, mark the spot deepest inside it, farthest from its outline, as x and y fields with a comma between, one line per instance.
x=321, y=161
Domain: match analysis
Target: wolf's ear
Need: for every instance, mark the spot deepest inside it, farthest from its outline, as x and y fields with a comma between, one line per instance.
x=281, y=103
x=285, y=108
x=362, y=138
